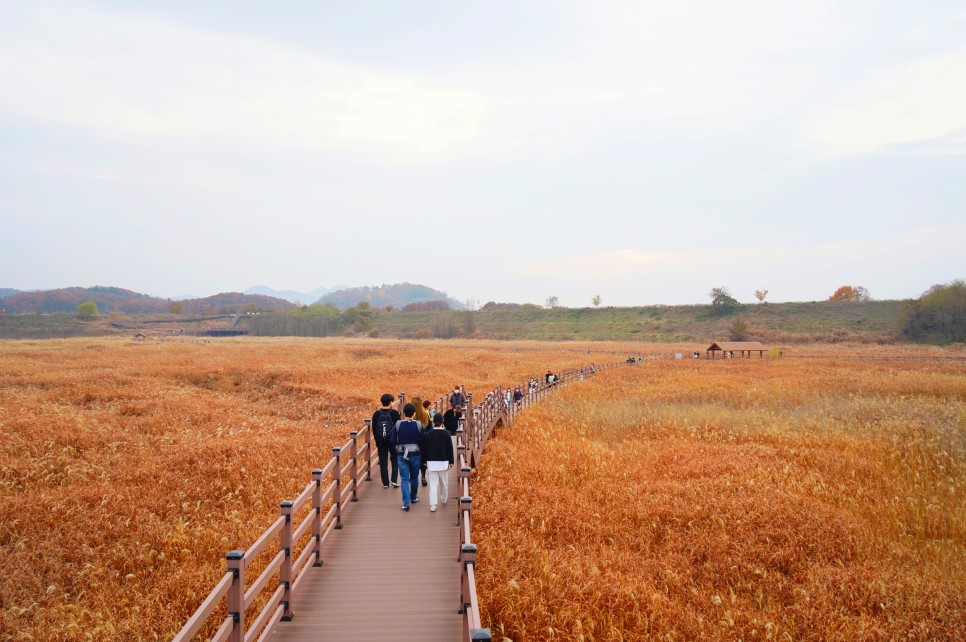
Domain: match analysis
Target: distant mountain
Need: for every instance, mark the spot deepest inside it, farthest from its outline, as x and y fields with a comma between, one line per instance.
x=397, y=295
x=66, y=300
x=232, y=302
x=4, y=292
x=111, y=299
x=304, y=298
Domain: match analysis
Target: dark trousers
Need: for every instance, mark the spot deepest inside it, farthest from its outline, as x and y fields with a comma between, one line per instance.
x=388, y=454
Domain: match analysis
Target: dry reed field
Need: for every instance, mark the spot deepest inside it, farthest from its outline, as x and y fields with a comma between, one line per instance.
x=128, y=470
x=775, y=499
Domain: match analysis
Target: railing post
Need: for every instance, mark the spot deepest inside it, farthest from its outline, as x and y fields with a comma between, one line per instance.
x=467, y=556
x=464, y=473
x=368, y=423
x=317, y=518
x=466, y=506
x=236, y=595
x=337, y=478
x=285, y=573
x=354, y=466
x=477, y=436
x=402, y=403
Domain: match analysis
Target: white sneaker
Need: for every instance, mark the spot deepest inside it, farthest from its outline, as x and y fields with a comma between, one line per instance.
x=432, y=509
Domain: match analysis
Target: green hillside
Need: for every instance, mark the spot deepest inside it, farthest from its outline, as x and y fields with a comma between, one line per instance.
x=868, y=321
x=790, y=322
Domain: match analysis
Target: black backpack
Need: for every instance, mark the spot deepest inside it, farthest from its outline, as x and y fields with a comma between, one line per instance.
x=382, y=429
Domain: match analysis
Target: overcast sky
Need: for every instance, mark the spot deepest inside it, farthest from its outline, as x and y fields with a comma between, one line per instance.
x=506, y=151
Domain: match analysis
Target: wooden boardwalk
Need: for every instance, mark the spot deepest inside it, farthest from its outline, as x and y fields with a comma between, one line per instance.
x=387, y=575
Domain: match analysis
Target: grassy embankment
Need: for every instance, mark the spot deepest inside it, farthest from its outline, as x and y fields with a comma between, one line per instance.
x=860, y=322
x=824, y=321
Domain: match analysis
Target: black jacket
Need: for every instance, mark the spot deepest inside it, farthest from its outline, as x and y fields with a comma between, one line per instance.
x=451, y=419
x=393, y=418
x=438, y=446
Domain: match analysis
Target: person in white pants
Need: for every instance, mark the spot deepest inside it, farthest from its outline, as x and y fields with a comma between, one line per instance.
x=438, y=453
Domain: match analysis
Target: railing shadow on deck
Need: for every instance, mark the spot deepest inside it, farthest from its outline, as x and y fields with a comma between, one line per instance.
x=331, y=488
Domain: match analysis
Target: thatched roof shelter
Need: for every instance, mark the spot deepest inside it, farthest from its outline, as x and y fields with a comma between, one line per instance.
x=736, y=348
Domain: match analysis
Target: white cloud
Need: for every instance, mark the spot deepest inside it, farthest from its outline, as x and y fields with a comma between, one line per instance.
x=141, y=80
x=632, y=276
x=916, y=102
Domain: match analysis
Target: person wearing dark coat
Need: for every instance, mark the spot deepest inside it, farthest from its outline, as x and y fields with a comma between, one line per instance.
x=383, y=422
x=451, y=420
x=438, y=453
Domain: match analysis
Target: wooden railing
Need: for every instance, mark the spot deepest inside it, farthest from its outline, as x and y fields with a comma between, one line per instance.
x=331, y=487
x=477, y=426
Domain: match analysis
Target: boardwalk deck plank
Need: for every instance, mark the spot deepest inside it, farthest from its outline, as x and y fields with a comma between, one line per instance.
x=387, y=575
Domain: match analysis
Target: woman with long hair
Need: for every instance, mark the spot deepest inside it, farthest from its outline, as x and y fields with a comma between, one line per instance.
x=422, y=416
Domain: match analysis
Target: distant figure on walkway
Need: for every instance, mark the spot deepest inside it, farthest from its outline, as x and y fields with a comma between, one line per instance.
x=452, y=419
x=507, y=398
x=457, y=399
x=593, y=368
x=517, y=396
x=383, y=422
x=406, y=438
x=438, y=452
x=548, y=377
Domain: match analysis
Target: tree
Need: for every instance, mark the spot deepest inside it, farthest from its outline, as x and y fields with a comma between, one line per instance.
x=444, y=325
x=849, y=293
x=552, y=301
x=176, y=307
x=739, y=330
x=596, y=300
x=87, y=310
x=469, y=322
x=939, y=315
x=722, y=302
x=760, y=295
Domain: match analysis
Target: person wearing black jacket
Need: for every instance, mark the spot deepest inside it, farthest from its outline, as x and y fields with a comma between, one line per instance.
x=383, y=421
x=438, y=453
x=451, y=420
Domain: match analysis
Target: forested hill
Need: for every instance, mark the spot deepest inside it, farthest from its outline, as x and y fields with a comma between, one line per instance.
x=5, y=292
x=113, y=300
x=397, y=296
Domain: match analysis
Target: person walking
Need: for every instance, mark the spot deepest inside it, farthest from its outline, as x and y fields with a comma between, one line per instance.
x=406, y=438
x=457, y=399
x=422, y=416
x=451, y=420
x=383, y=421
x=438, y=452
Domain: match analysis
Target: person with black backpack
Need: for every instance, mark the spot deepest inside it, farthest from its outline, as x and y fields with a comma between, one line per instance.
x=383, y=421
